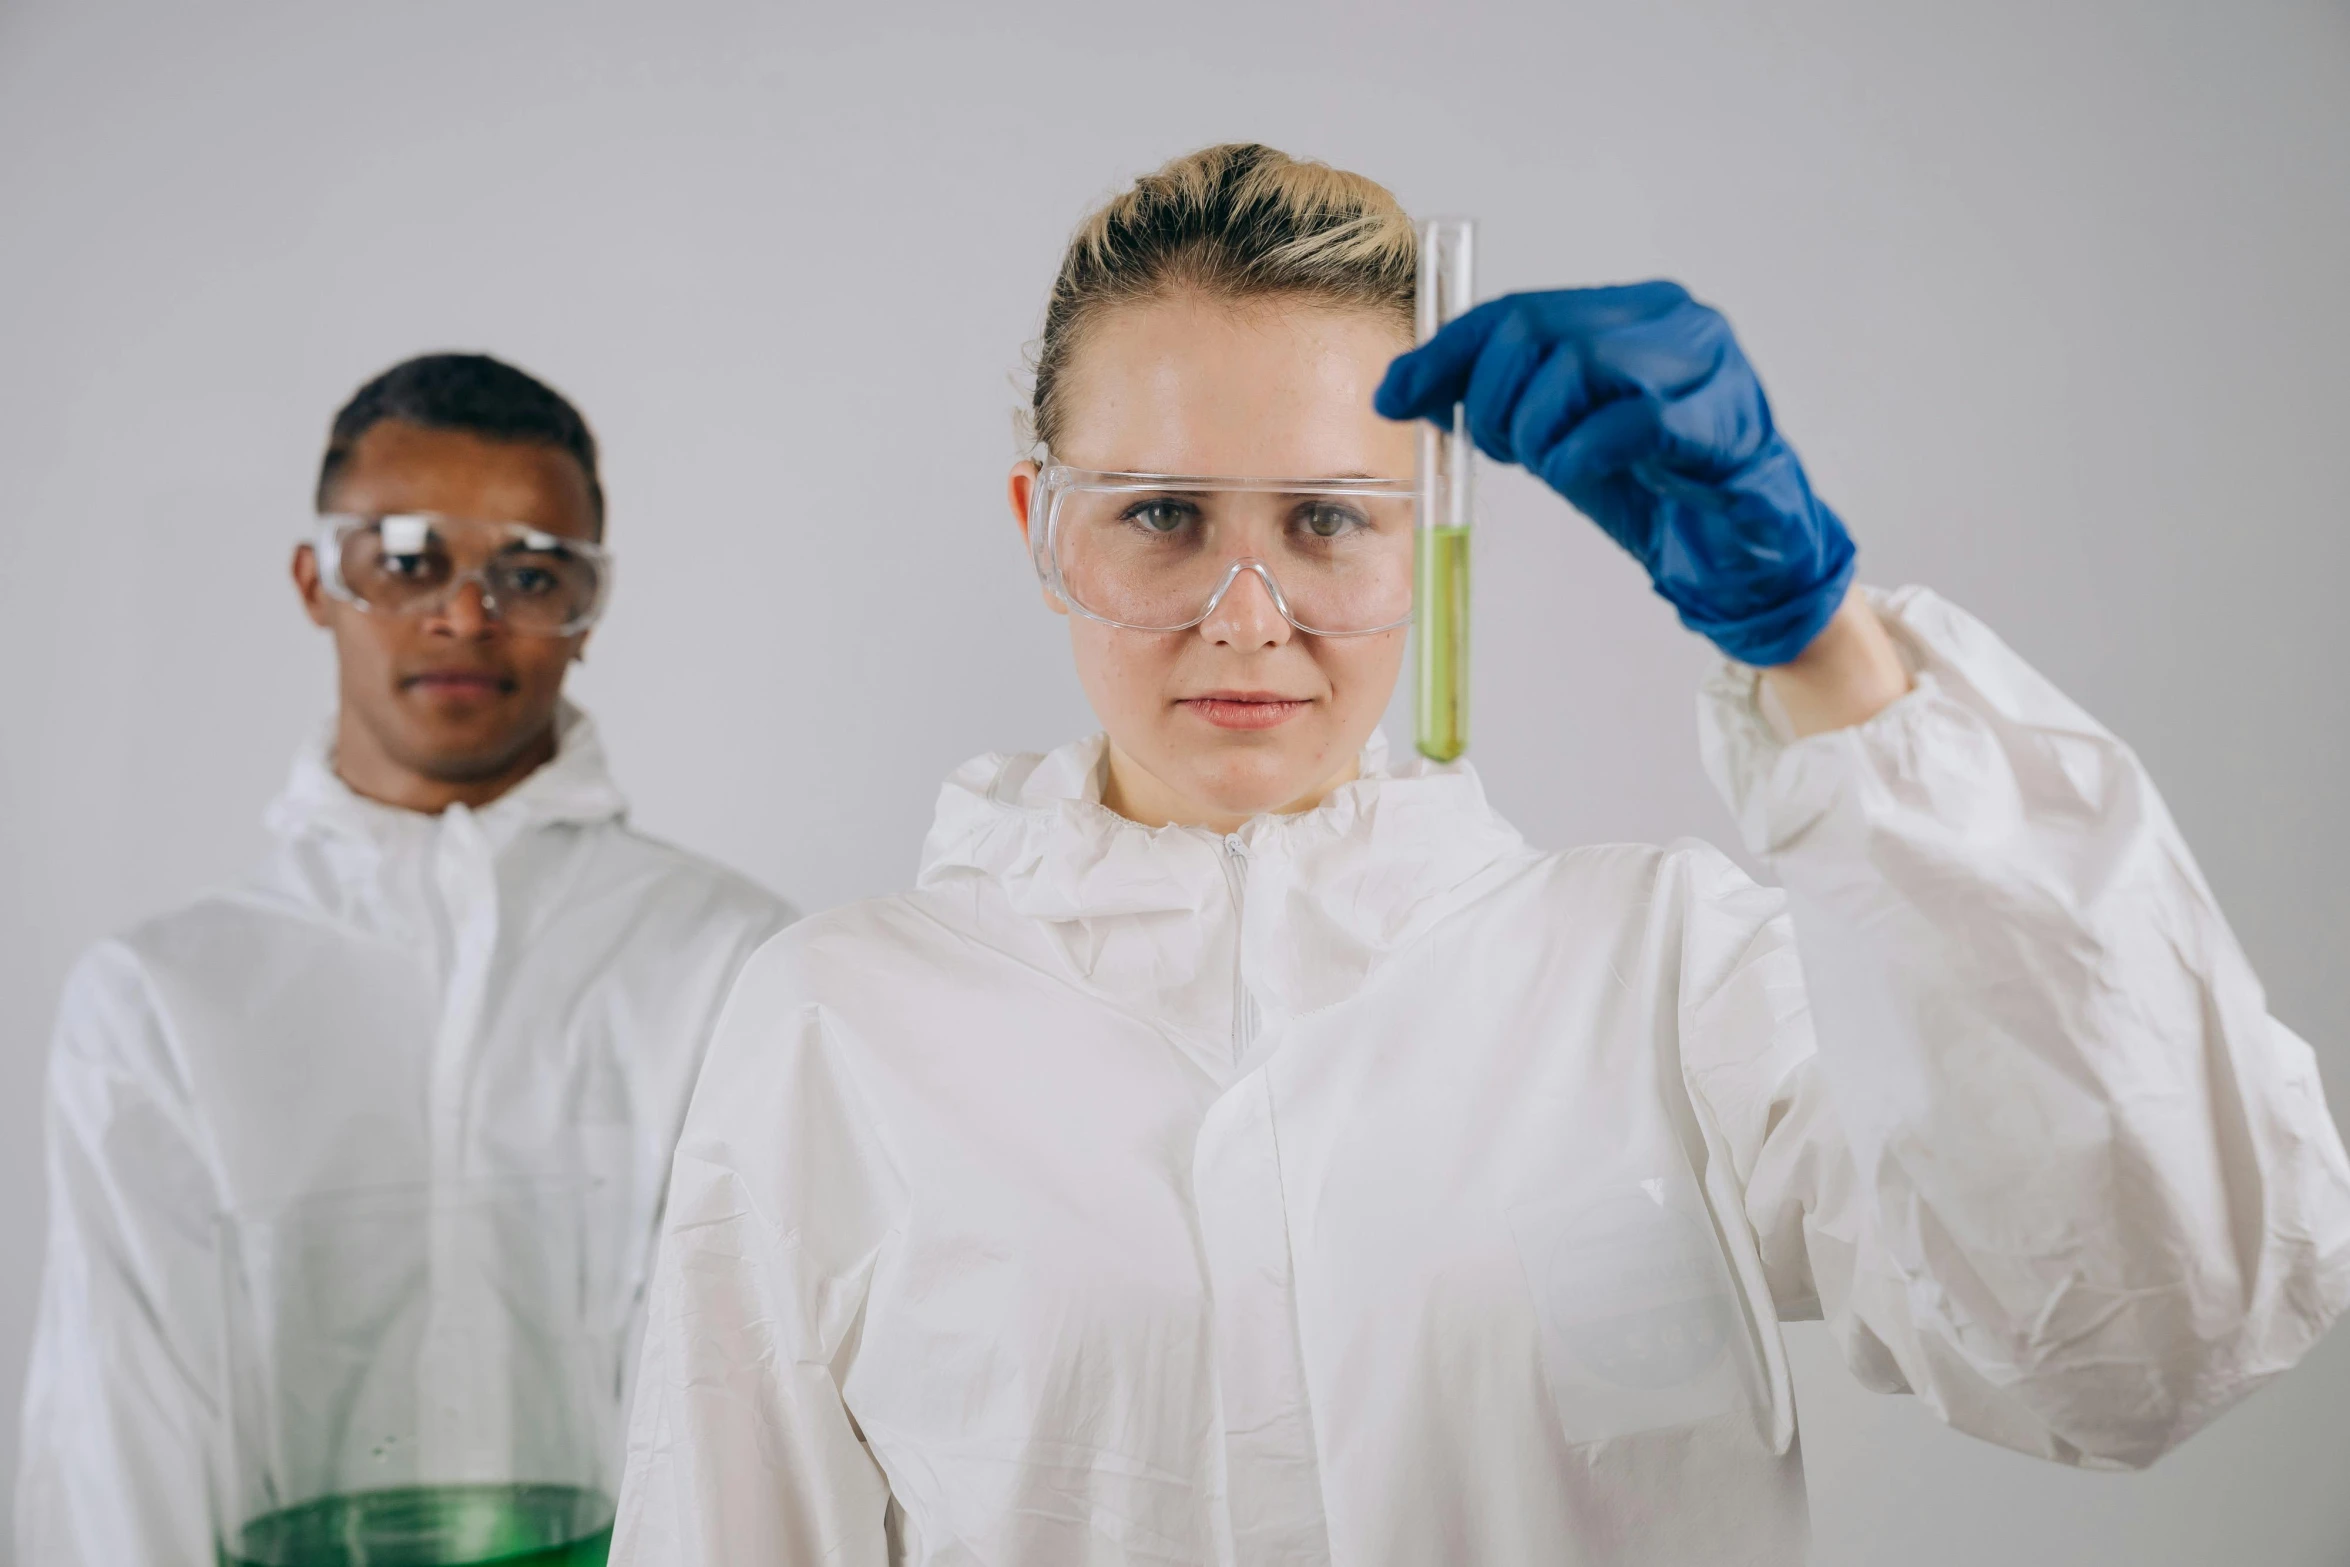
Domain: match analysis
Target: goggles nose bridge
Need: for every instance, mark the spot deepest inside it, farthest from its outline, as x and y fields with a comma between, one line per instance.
x=479, y=576
x=1264, y=574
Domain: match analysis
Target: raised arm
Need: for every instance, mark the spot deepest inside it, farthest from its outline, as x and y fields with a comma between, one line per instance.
x=2053, y=1166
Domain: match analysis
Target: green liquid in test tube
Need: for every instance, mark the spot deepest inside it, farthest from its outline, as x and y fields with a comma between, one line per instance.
x=1440, y=585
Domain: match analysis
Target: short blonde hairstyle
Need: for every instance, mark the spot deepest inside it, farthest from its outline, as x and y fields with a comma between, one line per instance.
x=1236, y=222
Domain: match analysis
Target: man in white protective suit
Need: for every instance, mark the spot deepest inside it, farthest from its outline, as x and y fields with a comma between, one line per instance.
x=457, y=963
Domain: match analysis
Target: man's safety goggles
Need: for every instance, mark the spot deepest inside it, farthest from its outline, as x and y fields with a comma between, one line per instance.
x=414, y=563
x=1159, y=552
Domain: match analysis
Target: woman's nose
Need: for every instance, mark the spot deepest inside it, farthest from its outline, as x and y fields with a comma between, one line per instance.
x=1247, y=616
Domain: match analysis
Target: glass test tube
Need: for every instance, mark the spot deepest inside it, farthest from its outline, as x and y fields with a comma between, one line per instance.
x=1440, y=585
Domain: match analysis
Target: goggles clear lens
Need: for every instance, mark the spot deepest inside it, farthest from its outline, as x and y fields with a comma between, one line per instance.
x=1154, y=552
x=540, y=584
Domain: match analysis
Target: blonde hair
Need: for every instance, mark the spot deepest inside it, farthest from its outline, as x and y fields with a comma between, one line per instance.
x=1236, y=222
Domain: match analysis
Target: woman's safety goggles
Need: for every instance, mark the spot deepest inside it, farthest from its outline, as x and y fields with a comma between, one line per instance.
x=538, y=584
x=1157, y=552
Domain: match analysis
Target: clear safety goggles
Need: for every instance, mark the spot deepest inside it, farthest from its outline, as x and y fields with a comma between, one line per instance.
x=1159, y=552
x=414, y=563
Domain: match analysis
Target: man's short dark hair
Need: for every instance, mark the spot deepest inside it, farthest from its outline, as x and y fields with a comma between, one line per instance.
x=470, y=392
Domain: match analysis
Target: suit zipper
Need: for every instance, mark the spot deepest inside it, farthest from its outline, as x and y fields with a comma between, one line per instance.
x=1244, y=1018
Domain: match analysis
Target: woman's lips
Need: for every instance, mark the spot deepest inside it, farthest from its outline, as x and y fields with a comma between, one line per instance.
x=1249, y=711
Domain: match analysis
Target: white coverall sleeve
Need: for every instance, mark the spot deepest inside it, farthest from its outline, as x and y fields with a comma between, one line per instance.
x=740, y=1447
x=2052, y=1167
x=118, y=1405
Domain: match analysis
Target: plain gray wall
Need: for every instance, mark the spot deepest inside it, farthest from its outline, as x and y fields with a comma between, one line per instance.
x=2050, y=297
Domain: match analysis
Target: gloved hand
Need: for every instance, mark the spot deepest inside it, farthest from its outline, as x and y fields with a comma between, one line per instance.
x=1636, y=405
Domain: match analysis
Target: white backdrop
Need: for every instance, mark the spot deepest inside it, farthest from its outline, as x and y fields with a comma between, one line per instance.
x=2049, y=296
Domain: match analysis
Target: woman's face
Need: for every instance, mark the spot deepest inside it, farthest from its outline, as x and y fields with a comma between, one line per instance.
x=1243, y=713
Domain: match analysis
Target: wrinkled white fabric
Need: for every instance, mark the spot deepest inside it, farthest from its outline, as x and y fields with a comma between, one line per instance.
x=1367, y=1187
x=389, y=997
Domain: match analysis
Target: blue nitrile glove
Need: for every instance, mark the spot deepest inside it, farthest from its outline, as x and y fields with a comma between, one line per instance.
x=1636, y=405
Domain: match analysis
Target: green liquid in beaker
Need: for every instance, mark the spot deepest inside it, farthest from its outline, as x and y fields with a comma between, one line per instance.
x=1441, y=598
x=433, y=1526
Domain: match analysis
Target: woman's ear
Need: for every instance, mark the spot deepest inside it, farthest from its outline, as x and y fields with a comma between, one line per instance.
x=1021, y=492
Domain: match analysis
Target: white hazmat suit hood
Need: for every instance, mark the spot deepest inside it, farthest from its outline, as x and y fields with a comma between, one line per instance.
x=388, y=998
x=1367, y=1187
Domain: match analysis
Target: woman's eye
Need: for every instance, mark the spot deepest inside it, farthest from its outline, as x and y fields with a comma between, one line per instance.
x=532, y=579
x=1160, y=516
x=1327, y=519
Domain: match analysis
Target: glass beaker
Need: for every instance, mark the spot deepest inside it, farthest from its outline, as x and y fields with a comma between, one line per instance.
x=421, y=1376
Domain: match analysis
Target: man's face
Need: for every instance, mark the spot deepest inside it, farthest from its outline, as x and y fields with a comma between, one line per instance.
x=451, y=697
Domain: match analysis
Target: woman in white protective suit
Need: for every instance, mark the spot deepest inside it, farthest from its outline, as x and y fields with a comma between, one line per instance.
x=1241, y=1147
